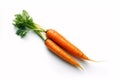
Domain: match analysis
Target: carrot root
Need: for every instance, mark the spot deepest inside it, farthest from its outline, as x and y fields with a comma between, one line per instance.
x=65, y=44
x=60, y=52
x=80, y=68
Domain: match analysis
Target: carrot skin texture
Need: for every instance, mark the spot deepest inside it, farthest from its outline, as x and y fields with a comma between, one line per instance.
x=60, y=52
x=65, y=44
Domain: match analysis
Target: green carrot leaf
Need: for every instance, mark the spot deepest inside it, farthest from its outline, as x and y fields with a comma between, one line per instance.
x=24, y=23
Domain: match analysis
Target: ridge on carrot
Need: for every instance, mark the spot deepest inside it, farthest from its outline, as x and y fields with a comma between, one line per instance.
x=24, y=23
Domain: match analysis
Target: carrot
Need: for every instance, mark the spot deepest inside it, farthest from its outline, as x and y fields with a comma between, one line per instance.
x=24, y=23
x=65, y=44
x=61, y=53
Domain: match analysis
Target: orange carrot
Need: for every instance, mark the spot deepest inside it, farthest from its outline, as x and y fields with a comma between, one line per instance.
x=65, y=44
x=61, y=53
x=54, y=41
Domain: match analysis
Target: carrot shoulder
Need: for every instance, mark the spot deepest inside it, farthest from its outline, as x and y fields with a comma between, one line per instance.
x=65, y=44
x=61, y=53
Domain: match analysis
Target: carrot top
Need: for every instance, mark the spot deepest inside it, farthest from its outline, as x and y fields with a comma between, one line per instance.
x=24, y=23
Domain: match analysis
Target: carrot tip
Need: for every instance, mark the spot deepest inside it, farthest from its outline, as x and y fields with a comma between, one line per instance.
x=94, y=60
x=80, y=68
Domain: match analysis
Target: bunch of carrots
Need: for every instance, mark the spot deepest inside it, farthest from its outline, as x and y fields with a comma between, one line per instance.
x=53, y=40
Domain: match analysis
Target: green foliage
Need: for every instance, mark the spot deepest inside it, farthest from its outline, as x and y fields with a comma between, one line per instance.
x=23, y=22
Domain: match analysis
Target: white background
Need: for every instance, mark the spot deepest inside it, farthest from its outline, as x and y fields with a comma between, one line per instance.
x=92, y=25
